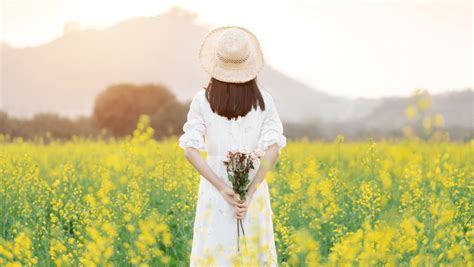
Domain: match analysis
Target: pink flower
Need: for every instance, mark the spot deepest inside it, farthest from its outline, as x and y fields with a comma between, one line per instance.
x=254, y=156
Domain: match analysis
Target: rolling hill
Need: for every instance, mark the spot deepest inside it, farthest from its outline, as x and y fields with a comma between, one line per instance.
x=65, y=75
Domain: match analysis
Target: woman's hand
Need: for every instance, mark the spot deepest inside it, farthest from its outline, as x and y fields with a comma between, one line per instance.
x=230, y=196
x=241, y=211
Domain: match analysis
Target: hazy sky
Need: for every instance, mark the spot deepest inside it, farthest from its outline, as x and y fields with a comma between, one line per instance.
x=349, y=48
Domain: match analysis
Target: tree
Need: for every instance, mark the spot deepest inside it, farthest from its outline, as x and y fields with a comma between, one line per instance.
x=119, y=106
x=169, y=120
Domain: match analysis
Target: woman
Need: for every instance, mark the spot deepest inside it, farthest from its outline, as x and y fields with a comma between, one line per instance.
x=232, y=113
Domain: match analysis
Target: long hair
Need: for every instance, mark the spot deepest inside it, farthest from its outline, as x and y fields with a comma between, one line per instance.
x=232, y=100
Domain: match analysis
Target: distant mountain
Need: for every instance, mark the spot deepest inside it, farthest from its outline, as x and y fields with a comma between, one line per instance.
x=66, y=74
x=456, y=108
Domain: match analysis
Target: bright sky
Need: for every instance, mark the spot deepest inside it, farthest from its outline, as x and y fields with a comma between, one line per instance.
x=347, y=48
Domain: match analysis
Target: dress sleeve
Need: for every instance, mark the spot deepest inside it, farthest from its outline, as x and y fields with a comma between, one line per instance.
x=194, y=128
x=272, y=128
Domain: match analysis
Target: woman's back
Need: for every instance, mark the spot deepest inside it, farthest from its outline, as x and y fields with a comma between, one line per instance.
x=216, y=134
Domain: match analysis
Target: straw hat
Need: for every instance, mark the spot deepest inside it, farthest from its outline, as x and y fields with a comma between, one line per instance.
x=231, y=54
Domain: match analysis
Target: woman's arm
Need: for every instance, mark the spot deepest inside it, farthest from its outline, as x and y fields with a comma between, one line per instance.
x=195, y=158
x=266, y=163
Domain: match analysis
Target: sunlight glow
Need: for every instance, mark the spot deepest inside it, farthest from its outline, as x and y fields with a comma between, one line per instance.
x=348, y=48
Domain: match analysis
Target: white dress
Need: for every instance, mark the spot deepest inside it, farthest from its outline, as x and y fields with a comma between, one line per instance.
x=215, y=228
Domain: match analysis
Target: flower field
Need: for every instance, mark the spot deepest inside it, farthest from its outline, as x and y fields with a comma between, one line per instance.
x=131, y=203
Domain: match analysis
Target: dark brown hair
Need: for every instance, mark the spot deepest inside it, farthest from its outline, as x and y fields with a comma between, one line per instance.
x=232, y=100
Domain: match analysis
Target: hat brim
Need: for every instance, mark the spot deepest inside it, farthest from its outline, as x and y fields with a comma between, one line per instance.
x=227, y=73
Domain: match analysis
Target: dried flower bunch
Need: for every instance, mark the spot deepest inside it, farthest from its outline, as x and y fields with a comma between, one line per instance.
x=238, y=165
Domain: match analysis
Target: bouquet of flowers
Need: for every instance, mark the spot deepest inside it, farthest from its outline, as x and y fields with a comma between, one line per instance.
x=238, y=165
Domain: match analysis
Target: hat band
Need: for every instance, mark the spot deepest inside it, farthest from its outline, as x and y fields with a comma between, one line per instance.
x=233, y=61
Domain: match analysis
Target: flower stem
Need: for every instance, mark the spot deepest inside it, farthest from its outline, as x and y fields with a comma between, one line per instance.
x=238, y=235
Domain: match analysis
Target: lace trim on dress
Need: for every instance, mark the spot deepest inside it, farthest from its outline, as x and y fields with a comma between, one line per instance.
x=270, y=137
x=193, y=138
